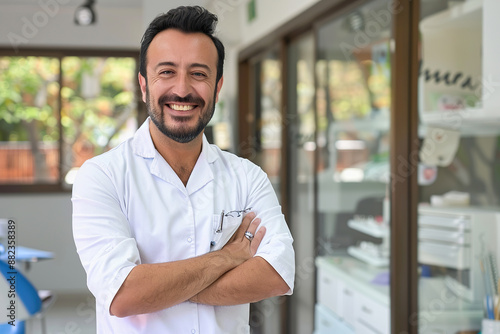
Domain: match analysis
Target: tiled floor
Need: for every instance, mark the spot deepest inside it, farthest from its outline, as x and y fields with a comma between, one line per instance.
x=70, y=314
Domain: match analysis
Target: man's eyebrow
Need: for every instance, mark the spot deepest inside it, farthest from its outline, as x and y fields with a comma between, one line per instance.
x=166, y=63
x=202, y=66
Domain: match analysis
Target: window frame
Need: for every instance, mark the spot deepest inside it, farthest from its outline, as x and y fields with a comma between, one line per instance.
x=59, y=186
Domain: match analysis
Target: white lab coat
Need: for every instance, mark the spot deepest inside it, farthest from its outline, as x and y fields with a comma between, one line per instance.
x=130, y=207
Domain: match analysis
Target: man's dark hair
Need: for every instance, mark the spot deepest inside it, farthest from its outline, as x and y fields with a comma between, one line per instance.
x=189, y=19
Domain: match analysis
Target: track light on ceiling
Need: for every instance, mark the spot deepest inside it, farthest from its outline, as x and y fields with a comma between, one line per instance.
x=85, y=14
x=355, y=21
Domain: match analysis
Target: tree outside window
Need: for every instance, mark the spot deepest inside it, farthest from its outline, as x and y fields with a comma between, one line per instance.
x=57, y=112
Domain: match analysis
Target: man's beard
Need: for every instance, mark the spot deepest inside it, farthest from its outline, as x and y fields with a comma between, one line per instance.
x=182, y=134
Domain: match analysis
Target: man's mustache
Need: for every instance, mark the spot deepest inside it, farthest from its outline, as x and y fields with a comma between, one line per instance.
x=170, y=98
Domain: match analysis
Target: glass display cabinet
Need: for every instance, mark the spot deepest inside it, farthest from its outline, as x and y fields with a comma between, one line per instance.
x=458, y=211
x=353, y=100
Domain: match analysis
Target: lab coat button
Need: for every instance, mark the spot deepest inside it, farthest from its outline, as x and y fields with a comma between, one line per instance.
x=190, y=239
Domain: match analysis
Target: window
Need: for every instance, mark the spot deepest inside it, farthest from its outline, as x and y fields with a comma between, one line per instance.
x=58, y=111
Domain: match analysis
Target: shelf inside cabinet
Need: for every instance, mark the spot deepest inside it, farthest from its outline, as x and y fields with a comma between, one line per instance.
x=363, y=255
x=369, y=227
x=375, y=255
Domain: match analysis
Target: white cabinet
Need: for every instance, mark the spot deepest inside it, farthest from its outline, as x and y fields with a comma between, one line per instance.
x=475, y=231
x=348, y=300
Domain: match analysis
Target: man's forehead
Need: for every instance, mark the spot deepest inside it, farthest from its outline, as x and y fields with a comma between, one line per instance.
x=178, y=42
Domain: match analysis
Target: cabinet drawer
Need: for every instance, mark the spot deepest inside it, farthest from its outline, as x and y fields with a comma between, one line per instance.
x=458, y=223
x=456, y=237
x=327, y=290
x=325, y=322
x=361, y=328
x=446, y=255
x=371, y=316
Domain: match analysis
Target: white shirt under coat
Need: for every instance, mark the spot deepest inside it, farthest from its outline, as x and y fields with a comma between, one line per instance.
x=130, y=207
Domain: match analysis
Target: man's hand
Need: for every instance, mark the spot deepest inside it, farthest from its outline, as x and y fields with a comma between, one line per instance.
x=239, y=246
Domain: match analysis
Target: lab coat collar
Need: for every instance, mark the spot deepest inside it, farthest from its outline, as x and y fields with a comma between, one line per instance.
x=209, y=151
x=143, y=144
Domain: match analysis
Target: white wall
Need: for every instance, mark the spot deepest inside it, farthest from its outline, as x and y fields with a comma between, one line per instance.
x=44, y=222
x=269, y=16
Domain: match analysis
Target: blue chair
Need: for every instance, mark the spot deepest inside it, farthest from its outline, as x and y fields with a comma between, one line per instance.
x=19, y=328
x=26, y=303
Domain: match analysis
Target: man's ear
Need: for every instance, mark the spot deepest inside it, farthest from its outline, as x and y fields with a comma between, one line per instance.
x=142, y=83
x=219, y=86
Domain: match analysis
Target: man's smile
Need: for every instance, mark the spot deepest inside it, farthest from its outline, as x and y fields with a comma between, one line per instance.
x=181, y=107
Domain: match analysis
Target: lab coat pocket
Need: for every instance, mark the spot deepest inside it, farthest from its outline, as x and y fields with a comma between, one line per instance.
x=223, y=232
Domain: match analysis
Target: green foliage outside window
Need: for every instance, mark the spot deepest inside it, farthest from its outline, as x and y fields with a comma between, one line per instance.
x=95, y=108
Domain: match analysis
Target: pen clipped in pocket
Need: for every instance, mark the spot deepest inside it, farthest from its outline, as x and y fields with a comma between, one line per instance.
x=223, y=231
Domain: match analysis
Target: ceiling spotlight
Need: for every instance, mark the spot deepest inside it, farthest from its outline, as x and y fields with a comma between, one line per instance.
x=85, y=14
x=355, y=21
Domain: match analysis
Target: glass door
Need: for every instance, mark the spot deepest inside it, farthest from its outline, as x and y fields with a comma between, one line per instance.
x=266, y=144
x=459, y=167
x=353, y=102
x=301, y=197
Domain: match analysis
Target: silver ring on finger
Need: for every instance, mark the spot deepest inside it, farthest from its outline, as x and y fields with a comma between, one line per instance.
x=249, y=235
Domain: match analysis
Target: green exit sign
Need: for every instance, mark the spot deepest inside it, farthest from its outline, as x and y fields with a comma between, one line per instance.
x=252, y=13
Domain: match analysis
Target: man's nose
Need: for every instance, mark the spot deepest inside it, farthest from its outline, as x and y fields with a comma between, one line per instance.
x=182, y=85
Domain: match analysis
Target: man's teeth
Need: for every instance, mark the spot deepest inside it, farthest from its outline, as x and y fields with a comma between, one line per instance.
x=181, y=107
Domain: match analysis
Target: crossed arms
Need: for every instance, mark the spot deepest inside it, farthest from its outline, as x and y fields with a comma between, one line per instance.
x=107, y=246
x=228, y=276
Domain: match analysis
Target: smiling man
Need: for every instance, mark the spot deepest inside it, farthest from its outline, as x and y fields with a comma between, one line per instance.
x=177, y=236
